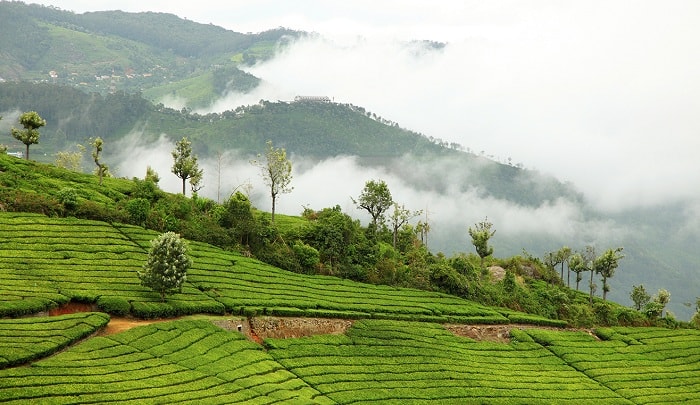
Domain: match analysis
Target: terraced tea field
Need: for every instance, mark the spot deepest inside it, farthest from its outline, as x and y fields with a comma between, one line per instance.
x=377, y=361
x=45, y=262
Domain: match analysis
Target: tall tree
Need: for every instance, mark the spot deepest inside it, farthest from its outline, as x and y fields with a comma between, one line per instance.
x=376, y=199
x=639, y=296
x=165, y=270
x=578, y=265
x=588, y=258
x=31, y=121
x=276, y=172
x=184, y=162
x=662, y=298
x=399, y=217
x=606, y=264
x=480, y=234
x=102, y=170
x=563, y=255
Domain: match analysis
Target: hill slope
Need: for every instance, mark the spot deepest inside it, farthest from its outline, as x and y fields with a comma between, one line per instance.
x=114, y=50
x=45, y=262
x=376, y=361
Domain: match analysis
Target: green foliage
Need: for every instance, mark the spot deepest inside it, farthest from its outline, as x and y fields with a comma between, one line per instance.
x=308, y=256
x=481, y=234
x=376, y=199
x=185, y=163
x=31, y=121
x=166, y=268
x=639, y=296
x=447, y=279
x=68, y=197
x=276, y=171
x=138, y=210
x=237, y=216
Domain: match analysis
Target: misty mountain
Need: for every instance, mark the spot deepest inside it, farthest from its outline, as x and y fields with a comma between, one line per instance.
x=110, y=69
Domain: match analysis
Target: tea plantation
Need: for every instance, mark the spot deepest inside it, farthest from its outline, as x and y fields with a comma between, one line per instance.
x=45, y=262
x=377, y=361
x=397, y=351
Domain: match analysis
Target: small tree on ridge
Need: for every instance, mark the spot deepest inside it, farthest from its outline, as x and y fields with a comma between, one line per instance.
x=276, y=172
x=184, y=162
x=480, y=235
x=31, y=121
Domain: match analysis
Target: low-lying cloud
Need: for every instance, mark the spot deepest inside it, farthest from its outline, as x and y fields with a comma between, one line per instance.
x=336, y=181
x=607, y=101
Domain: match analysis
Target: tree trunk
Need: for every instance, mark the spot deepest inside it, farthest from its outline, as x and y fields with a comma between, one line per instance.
x=27, y=153
x=590, y=289
x=561, y=276
x=273, y=208
x=605, y=287
x=183, y=185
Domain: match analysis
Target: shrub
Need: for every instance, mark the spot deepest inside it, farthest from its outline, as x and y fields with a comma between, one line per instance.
x=68, y=197
x=581, y=315
x=150, y=310
x=308, y=256
x=87, y=209
x=114, y=305
x=23, y=201
x=138, y=210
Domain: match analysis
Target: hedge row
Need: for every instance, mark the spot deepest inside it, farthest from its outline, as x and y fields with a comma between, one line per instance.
x=27, y=339
x=407, y=361
x=179, y=361
x=644, y=365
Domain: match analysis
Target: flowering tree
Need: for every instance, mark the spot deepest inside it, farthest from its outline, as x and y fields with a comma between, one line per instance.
x=166, y=268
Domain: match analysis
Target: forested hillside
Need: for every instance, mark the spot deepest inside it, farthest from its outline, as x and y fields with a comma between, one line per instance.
x=110, y=51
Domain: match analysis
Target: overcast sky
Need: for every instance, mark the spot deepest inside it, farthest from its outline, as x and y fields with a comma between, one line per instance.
x=605, y=94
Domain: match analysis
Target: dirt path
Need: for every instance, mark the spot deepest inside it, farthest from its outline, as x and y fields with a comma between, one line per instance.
x=117, y=324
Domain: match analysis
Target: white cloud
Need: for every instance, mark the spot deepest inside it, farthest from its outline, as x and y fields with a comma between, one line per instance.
x=602, y=93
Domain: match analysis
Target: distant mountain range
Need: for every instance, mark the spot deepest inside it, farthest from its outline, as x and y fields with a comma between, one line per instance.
x=101, y=74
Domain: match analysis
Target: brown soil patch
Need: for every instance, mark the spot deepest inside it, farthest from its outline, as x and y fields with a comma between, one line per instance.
x=117, y=325
x=491, y=333
x=72, y=308
x=260, y=328
x=501, y=333
x=274, y=327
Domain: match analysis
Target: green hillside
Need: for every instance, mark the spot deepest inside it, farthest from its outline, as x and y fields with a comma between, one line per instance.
x=117, y=51
x=324, y=242
x=310, y=130
x=375, y=362
x=45, y=262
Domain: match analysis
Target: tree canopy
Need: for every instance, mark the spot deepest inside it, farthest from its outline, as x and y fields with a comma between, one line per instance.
x=276, y=171
x=165, y=271
x=185, y=163
x=480, y=235
x=376, y=199
x=31, y=121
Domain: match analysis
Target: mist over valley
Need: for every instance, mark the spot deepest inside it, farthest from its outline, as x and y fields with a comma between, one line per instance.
x=559, y=134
